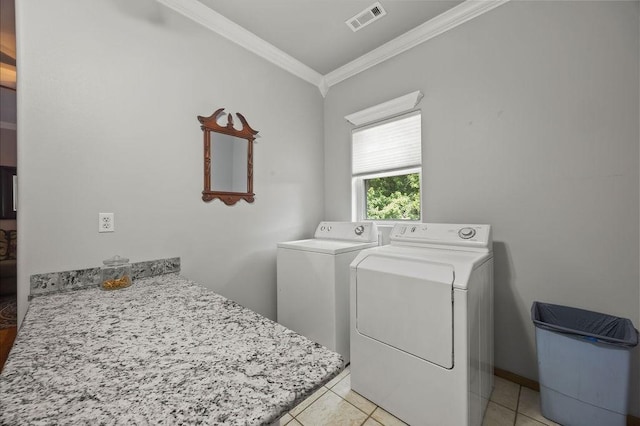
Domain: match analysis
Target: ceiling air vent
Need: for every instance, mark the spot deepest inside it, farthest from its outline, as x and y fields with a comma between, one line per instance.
x=367, y=16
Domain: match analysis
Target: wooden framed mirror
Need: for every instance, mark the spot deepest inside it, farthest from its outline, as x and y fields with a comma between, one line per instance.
x=228, y=159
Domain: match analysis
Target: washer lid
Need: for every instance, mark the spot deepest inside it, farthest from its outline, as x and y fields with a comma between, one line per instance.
x=407, y=304
x=326, y=246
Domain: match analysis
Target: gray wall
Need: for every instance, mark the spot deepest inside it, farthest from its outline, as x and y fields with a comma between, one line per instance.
x=108, y=96
x=530, y=123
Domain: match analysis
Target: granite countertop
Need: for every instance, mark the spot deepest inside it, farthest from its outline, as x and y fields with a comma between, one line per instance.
x=163, y=351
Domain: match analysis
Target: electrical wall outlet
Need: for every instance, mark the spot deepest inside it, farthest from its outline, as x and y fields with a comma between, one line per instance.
x=105, y=222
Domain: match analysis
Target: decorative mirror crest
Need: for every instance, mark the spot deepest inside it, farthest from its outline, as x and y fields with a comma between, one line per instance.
x=228, y=159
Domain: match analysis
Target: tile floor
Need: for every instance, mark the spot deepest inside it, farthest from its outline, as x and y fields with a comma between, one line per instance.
x=336, y=404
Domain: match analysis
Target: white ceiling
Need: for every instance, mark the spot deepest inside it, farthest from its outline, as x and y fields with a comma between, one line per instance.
x=314, y=31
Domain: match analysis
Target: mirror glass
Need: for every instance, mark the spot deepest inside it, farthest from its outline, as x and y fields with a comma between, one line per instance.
x=228, y=163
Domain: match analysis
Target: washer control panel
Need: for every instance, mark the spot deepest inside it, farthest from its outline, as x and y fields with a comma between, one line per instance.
x=348, y=231
x=443, y=234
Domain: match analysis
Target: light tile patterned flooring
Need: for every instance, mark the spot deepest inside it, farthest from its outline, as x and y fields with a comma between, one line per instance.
x=336, y=404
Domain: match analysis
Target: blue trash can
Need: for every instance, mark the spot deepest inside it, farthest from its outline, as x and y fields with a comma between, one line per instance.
x=584, y=359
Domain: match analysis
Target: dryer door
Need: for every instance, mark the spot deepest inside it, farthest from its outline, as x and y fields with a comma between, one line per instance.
x=407, y=304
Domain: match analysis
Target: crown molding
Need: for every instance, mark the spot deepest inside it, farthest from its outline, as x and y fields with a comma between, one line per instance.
x=386, y=109
x=444, y=22
x=217, y=23
x=214, y=21
x=323, y=87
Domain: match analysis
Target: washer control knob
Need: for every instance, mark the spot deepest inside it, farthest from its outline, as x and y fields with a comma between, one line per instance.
x=359, y=229
x=466, y=233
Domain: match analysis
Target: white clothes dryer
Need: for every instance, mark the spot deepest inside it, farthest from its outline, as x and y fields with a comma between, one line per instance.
x=313, y=282
x=422, y=324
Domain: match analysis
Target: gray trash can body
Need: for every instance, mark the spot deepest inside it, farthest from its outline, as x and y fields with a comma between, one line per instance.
x=584, y=361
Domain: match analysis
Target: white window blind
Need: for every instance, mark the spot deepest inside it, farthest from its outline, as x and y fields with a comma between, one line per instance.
x=391, y=145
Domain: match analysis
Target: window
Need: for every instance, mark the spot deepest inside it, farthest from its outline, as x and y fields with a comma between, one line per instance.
x=386, y=169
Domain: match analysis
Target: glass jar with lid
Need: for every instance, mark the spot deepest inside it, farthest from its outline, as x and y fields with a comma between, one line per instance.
x=116, y=273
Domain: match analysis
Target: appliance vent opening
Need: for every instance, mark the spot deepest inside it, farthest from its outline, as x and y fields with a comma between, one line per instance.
x=367, y=16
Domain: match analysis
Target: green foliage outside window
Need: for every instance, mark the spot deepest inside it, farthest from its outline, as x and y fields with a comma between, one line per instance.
x=393, y=197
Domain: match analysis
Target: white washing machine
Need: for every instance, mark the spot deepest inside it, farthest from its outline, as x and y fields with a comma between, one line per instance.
x=422, y=324
x=313, y=281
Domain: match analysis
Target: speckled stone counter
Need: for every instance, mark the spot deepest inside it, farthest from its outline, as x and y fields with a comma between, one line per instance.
x=163, y=351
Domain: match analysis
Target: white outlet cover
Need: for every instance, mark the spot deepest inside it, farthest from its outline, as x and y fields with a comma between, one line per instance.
x=106, y=222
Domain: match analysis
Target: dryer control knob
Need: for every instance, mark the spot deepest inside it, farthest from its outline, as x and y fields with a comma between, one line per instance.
x=359, y=230
x=466, y=233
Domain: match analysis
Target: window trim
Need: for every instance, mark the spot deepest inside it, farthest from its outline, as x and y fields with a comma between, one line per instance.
x=385, y=110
